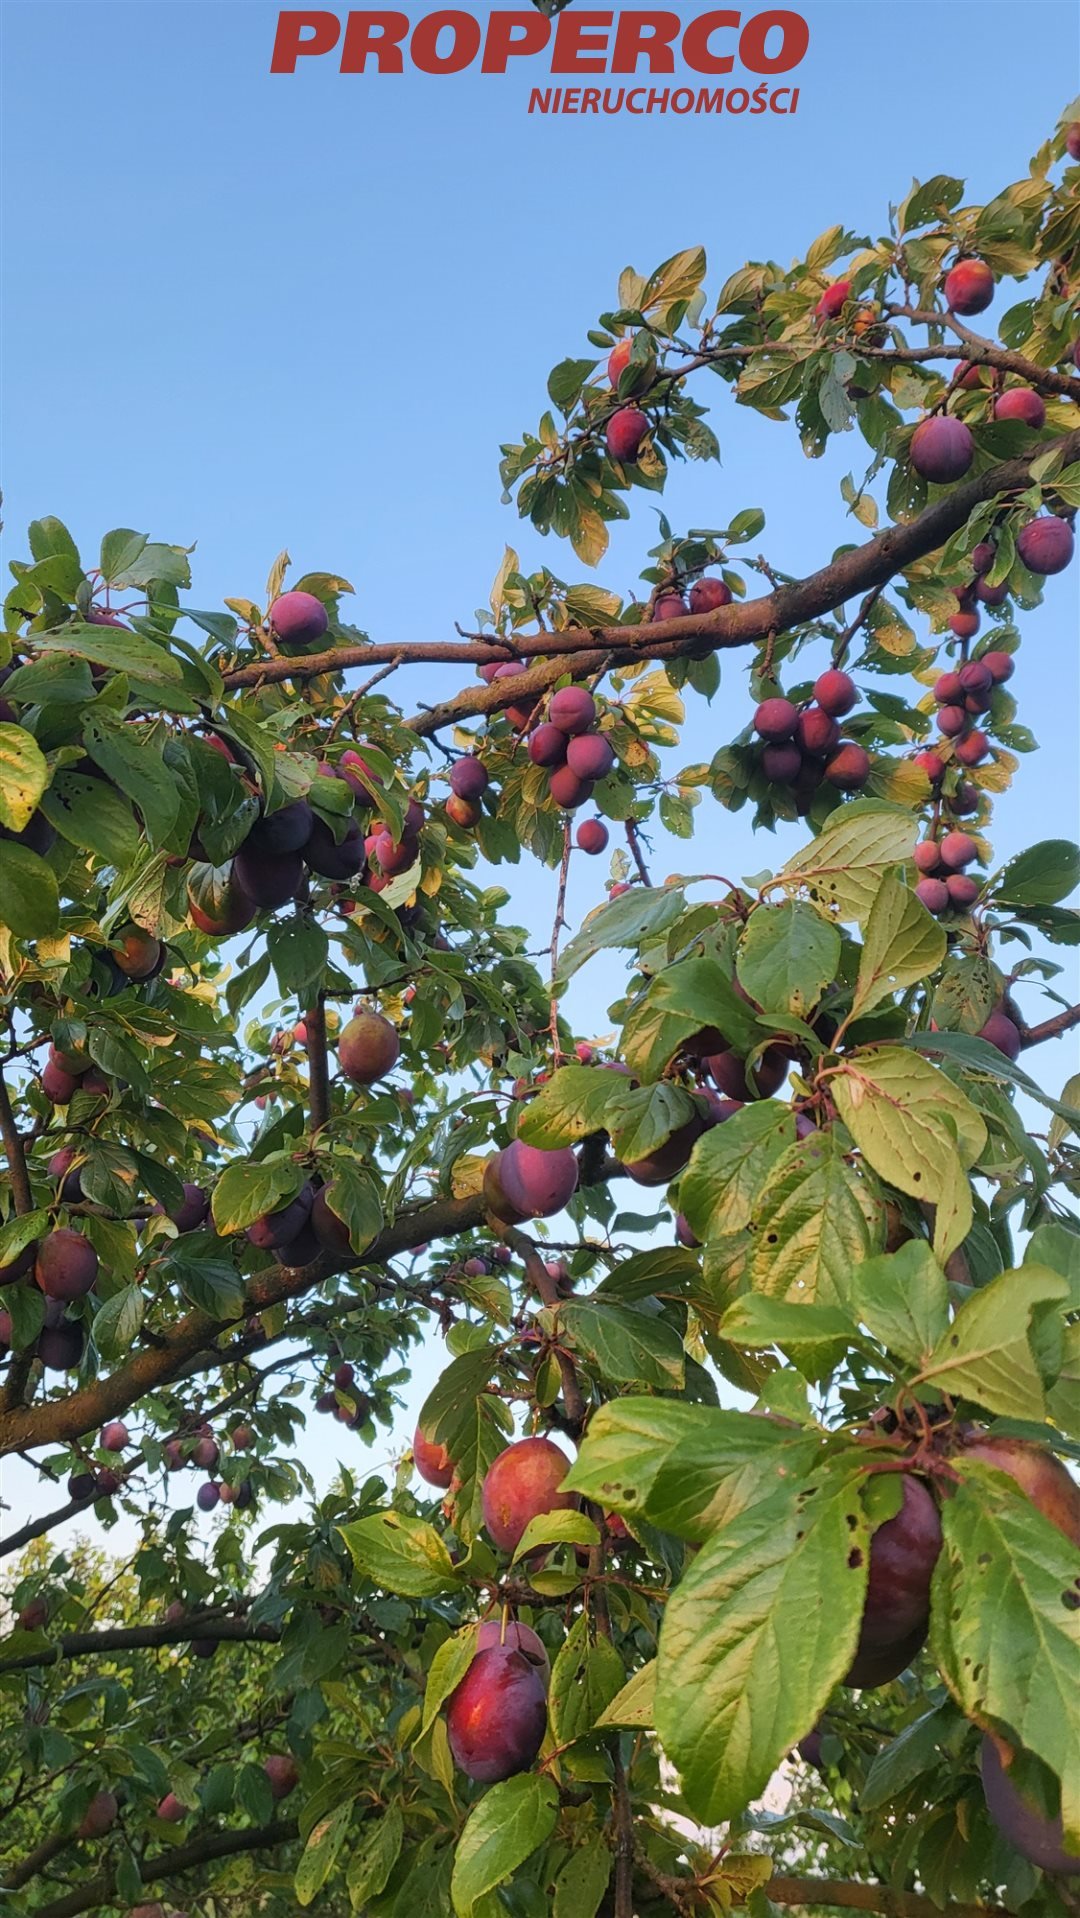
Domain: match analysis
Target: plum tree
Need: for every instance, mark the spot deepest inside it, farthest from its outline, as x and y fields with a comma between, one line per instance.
x=735, y=1279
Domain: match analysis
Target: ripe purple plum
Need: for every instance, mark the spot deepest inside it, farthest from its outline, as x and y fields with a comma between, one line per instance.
x=217, y=902
x=572, y=709
x=1038, y=1838
x=848, y=768
x=669, y=605
x=283, y=1775
x=100, y=1815
x=706, y=595
x=942, y=449
x=66, y=1265
x=567, y=790
x=835, y=692
x=1000, y=1032
x=592, y=836
x=522, y=1483
x=525, y=1182
x=903, y=1553
x=469, y=777
x=957, y=850
x=816, y=731
x=520, y=1638
x=270, y=880
x=136, y=952
x=972, y=750
x=277, y=1228
x=332, y=858
x=1021, y=403
x=1046, y=544
x=969, y=287
x=298, y=620
x=933, y=894
x=497, y=1717
x=625, y=432
x=548, y=745
x=1000, y=666
x=114, y=1436
x=666, y=1161
x=963, y=891
x=590, y=756
x=781, y=762
x=775, y=720
x=1046, y=1481
x=284, y=831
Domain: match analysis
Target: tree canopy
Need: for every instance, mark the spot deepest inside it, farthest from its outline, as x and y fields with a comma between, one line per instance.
x=284, y=1091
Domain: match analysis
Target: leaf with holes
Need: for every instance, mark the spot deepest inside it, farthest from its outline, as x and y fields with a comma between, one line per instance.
x=910, y=1124
x=903, y=945
x=842, y=870
x=1005, y=1623
x=762, y=1626
x=816, y=1219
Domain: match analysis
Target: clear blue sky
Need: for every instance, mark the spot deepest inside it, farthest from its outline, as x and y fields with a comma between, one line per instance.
x=255, y=311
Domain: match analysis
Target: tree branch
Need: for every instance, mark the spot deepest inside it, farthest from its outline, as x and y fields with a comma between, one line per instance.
x=583, y=651
x=547, y=1288
x=849, y=1895
x=170, y=1864
x=318, y=1069
x=134, y=1638
x=14, y=1154
x=1061, y=1022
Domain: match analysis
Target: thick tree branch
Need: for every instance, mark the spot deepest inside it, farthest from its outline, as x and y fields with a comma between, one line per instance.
x=318, y=1069
x=63, y=1419
x=743, y=623
x=167, y=1865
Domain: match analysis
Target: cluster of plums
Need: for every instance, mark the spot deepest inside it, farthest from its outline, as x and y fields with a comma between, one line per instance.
x=341, y=1401
x=801, y=746
x=269, y=868
x=200, y=1451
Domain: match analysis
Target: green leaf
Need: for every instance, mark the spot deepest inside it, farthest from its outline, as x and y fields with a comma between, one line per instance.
x=644, y=1117
x=92, y=815
x=1041, y=876
x=729, y=1166
x=912, y=1126
x=250, y=1188
x=985, y=1354
x=763, y=1624
x=448, y=1668
x=587, y=1674
x=787, y=956
x=582, y=1882
x=374, y=1856
x=635, y=1704
x=29, y=897
x=117, y=1323
x=17, y=1233
x=678, y=1005
x=401, y=1554
x=556, y=1528
x=686, y=1468
x=569, y=1106
x=914, y=1751
x=987, y=1060
x=1003, y=1632
x=510, y=1822
x=355, y=1200
x=903, y=944
x=625, y=1345
x=121, y=651
x=842, y=870
x=298, y=949
x=128, y=759
x=815, y=1220
x=903, y=1300
x=24, y=776
x=636, y=915
x=814, y=1337
x=320, y=1854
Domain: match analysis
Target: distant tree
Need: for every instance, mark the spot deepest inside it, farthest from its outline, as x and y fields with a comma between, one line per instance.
x=455, y=1693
